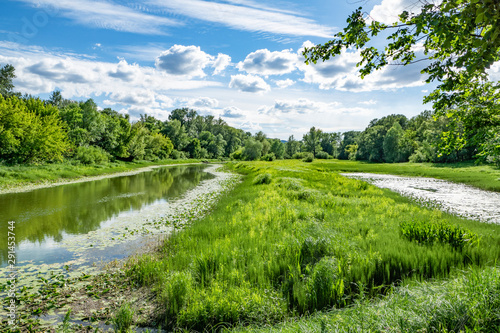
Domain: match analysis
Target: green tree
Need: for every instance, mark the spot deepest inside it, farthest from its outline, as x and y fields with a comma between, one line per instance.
x=194, y=148
x=292, y=146
x=312, y=140
x=392, y=144
x=277, y=148
x=28, y=136
x=177, y=133
x=7, y=74
x=460, y=38
x=253, y=150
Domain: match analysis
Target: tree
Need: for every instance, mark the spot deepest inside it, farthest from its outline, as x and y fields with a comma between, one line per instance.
x=392, y=142
x=312, y=140
x=292, y=147
x=7, y=74
x=56, y=98
x=460, y=38
x=253, y=150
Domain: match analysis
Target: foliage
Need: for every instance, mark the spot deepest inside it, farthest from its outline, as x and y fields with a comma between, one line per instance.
x=264, y=178
x=312, y=140
x=253, y=150
x=308, y=157
x=7, y=74
x=91, y=155
x=268, y=157
x=461, y=38
x=30, y=135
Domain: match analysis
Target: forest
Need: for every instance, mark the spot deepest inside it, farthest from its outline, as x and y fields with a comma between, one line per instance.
x=33, y=130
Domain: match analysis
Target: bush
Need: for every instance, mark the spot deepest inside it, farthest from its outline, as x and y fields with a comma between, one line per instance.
x=264, y=178
x=238, y=154
x=299, y=156
x=323, y=155
x=308, y=158
x=91, y=155
x=178, y=155
x=268, y=157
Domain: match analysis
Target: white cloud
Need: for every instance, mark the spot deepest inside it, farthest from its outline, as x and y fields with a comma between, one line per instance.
x=265, y=62
x=300, y=106
x=203, y=102
x=190, y=61
x=222, y=61
x=39, y=71
x=246, y=16
x=369, y=102
x=107, y=15
x=494, y=71
x=249, y=83
x=388, y=11
x=284, y=83
x=232, y=112
x=184, y=60
x=341, y=73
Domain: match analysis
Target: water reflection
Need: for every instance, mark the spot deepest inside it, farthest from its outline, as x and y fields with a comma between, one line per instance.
x=44, y=217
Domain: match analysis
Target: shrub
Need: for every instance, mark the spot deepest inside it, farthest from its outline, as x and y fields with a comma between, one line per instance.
x=178, y=155
x=323, y=155
x=264, y=178
x=308, y=158
x=299, y=156
x=91, y=155
x=268, y=157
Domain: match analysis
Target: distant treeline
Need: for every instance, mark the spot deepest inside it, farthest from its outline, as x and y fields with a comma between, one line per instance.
x=37, y=131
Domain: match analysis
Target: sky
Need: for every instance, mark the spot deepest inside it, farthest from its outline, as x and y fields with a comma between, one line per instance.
x=240, y=60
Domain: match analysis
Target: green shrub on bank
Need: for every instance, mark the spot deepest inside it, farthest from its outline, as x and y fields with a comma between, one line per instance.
x=264, y=178
x=308, y=157
x=91, y=155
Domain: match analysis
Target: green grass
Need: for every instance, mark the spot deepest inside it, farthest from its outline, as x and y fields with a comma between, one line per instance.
x=19, y=175
x=469, y=302
x=296, y=238
x=485, y=177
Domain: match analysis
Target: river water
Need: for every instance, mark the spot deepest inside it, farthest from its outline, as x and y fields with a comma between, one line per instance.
x=55, y=224
x=458, y=199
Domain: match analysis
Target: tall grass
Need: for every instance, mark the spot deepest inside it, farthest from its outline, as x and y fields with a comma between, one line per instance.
x=304, y=241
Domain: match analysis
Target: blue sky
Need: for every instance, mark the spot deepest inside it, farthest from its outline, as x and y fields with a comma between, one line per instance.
x=237, y=59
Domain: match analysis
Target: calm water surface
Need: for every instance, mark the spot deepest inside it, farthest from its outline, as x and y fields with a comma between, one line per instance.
x=46, y=217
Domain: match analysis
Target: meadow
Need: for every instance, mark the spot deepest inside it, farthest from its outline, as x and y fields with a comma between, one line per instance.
x=298, y=247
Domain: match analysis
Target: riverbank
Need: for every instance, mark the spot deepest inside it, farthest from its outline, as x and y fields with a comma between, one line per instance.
x=485, y=177
x=296, y=238
x=91, y=293
x=23, y=178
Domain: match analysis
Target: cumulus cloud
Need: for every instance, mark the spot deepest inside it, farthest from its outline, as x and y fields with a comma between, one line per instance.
x=265, y=62
x=39, y=71
x=284, y=83
x=190, y=61
x=341, y=73
x=249, y=83
x=204, y=102
x=494, y=71
x=232, y=112
x=388, y=11
x=220, y=63
x=300, y=106
x=184, y=60
x=106, y=15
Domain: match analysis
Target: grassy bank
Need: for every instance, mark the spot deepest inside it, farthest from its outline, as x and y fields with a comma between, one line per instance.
x=485, y=177
x=20, y=175
x=296, y=238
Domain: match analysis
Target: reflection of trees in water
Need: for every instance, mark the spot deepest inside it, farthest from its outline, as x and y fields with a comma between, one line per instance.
x=82, y=207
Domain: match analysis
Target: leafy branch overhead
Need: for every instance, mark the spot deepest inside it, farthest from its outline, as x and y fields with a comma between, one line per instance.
x=460, y=39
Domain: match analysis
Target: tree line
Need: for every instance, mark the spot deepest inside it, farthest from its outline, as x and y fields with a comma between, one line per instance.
x=33, y=130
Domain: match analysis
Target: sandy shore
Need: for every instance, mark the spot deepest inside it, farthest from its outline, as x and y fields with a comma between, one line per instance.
x=45, y=184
